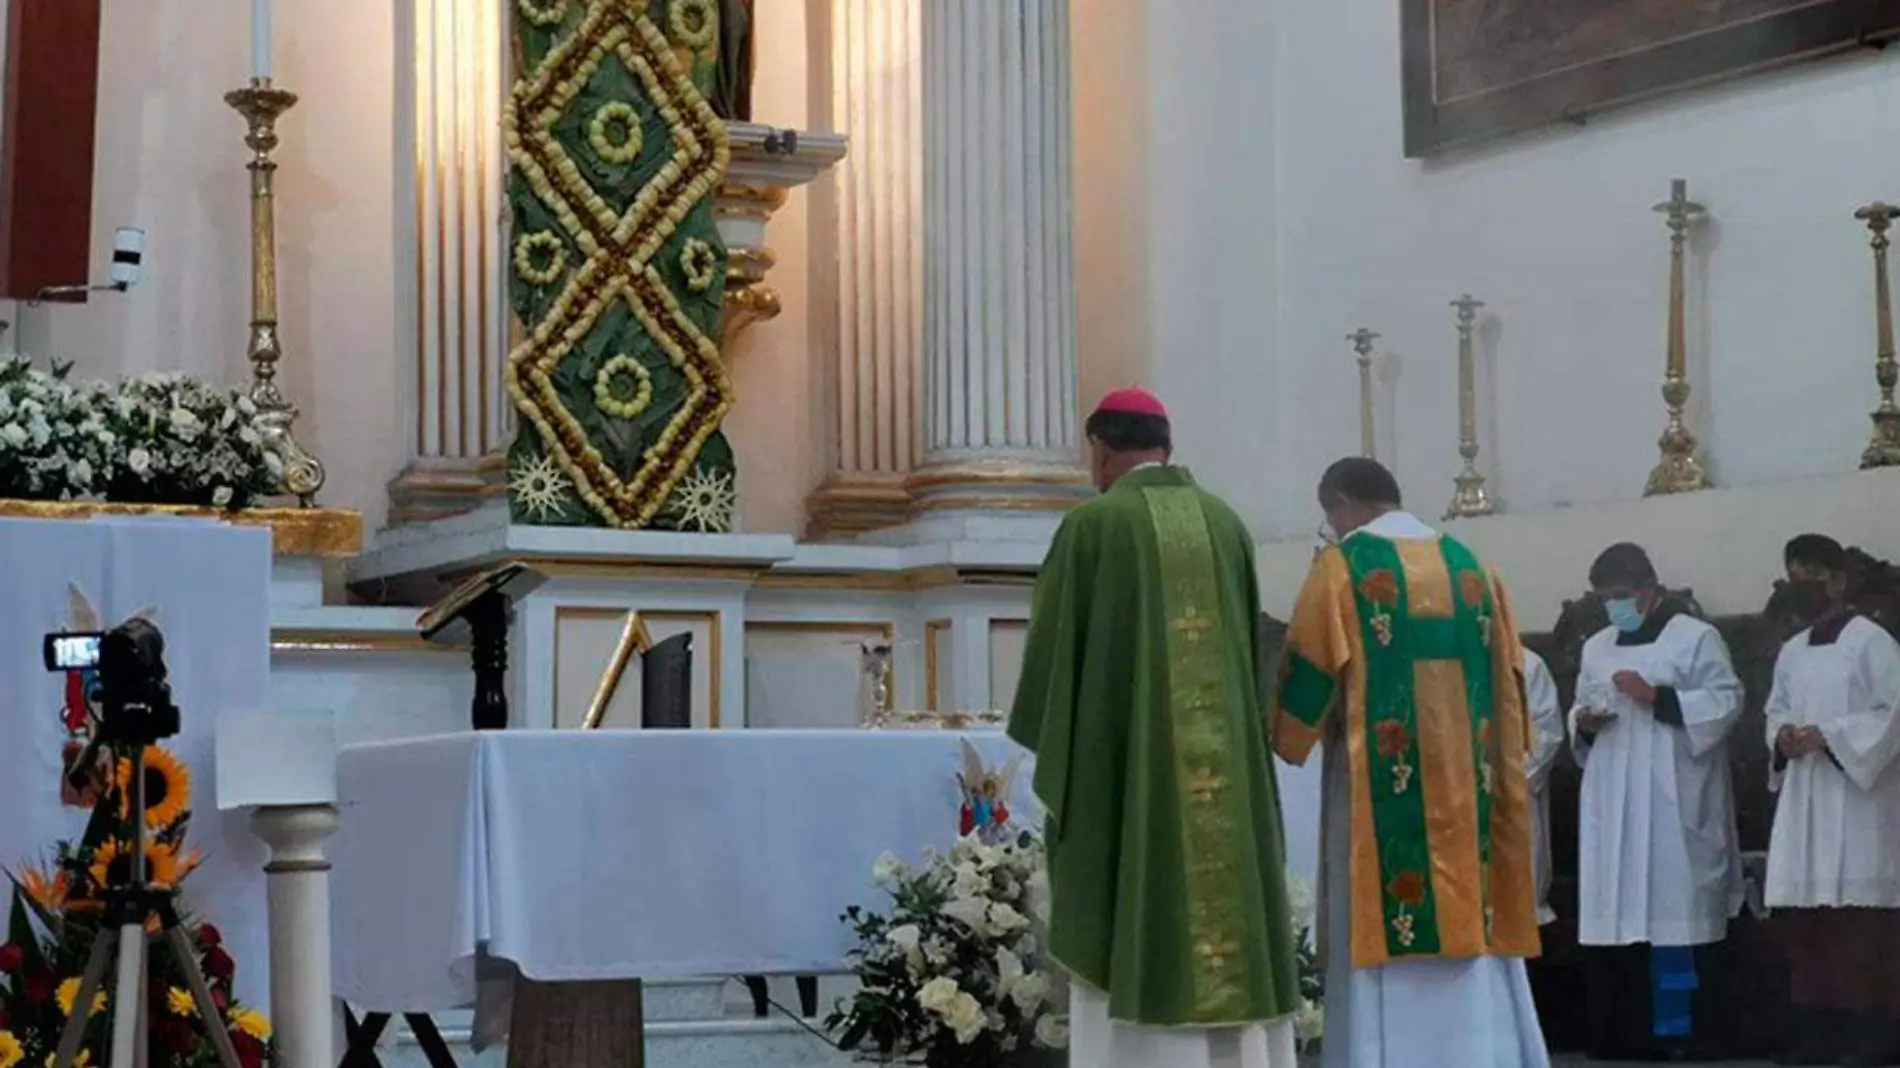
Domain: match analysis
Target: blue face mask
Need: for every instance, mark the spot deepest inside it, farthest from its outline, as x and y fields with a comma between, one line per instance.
x=1624, y=615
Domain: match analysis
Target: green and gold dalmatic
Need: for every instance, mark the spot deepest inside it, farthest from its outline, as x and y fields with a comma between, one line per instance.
x=617, y=272
x=1406, y=650
x=1139, y=698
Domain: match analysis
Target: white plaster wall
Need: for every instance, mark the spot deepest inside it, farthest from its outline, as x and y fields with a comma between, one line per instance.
x=1283, y=217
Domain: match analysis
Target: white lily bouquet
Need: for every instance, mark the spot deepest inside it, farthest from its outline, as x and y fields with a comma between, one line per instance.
x=955, y=976
x=161, y=438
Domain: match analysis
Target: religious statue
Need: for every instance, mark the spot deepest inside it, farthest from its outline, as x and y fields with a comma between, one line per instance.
x=732, y=80
x=985, y=811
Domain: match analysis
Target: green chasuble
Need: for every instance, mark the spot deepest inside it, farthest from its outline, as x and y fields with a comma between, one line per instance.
x=1139, y=697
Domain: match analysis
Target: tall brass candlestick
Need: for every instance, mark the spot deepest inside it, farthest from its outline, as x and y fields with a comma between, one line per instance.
x=1679, y=471
x=1884, y=449
x=261, y=104
x=1362, y=340
x=1470, y=499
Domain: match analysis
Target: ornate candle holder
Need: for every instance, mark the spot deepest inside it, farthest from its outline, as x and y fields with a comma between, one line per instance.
x=1678, y=471
x=262, y=104
x=1470, y=500
x=1884, y=449
x=1362, y=340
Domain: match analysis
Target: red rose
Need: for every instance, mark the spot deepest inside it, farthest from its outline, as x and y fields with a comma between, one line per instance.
x=37, y=990
x=11, y=957
x=219, y=999
x=218, y=965
x=209, y=937
x=175, y=1035
x=250, y=1049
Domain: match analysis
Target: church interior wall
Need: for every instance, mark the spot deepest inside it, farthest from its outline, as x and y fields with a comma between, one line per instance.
x=1322, y=227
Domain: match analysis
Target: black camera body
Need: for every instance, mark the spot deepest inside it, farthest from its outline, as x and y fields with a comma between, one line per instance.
x=128, y=665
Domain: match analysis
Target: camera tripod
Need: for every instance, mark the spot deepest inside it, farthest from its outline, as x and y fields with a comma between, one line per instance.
x=130, y=910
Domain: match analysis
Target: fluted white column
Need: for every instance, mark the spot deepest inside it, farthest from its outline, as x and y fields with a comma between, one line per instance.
x=876, y=80
x=450, y=90
x=999, y=371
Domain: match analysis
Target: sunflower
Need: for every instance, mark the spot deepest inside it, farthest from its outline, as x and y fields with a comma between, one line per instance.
x=10, y=1051
x=252, y=1023
x=111, y=867
x=68, y=994
x=178, y=1000
x=167, y=788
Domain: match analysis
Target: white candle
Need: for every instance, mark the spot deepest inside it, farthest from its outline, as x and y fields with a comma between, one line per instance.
x=260, y=38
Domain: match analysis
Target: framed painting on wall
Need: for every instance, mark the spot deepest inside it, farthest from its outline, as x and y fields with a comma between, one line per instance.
x=1474, y=69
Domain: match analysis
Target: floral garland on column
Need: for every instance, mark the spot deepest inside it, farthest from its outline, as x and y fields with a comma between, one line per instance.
x=618, y=270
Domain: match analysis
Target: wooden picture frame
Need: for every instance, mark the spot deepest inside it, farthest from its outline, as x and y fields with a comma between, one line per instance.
x=1478, y=69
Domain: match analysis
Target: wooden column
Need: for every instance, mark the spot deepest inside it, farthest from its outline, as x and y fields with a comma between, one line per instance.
x=569, y=1025
x=49, y=110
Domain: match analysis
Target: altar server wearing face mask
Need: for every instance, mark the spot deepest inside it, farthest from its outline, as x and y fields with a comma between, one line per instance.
x=1659, y=869
x=1833, y=863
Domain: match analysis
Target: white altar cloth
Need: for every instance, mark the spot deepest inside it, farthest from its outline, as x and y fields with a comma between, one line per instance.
x=591, y=855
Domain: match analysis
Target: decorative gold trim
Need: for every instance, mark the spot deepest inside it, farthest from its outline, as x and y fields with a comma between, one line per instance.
x=856, y=503
x=933, y=630
x=634, y=638
x=996, y=472
x=332, y=533
x=738, y=200
x=354, y=641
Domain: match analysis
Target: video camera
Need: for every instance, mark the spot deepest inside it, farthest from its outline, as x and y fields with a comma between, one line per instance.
x=127, y=665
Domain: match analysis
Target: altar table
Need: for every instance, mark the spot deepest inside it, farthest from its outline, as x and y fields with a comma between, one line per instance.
x=602, y=855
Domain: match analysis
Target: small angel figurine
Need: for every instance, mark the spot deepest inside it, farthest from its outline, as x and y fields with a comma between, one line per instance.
x=985, y=796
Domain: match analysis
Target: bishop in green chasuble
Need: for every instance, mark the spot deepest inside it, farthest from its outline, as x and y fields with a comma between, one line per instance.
x=1138, y=696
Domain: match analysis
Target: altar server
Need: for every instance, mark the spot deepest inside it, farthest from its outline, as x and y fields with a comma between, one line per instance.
x=1547, y=742
x=1138, y=695
x=1402, y=657
x=1834, y=861
x=1659, y=872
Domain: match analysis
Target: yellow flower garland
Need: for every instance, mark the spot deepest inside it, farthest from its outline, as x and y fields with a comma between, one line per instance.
x=679, y=20
x=700, y=264
x=543, y=13
x=11, y=1052
x=615, y=267
x=541, y=241
x=623, y=115
x=609, y=402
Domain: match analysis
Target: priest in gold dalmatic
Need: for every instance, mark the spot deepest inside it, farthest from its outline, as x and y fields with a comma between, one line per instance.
x=1139, y=697
x=1403, y=661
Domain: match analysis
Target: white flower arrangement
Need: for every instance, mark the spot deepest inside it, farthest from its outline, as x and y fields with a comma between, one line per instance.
x=54, y=442
x=157, y=439
x=1309, y=1020
x=954, y=976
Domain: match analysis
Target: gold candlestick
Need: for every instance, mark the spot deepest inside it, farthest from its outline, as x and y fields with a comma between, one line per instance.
x=261, y=104
x=1362, y=340
x=1471, y=499
x=1884, y=449
x=1679, y=471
